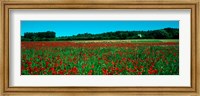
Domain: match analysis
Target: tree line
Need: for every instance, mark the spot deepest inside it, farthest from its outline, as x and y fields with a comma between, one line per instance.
x=39, y=36
x=166, y=33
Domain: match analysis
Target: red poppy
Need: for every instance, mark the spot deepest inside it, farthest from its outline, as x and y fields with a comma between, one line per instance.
x=90, y=72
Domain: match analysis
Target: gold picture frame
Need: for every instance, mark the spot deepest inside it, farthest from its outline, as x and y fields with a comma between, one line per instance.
x=193, y=5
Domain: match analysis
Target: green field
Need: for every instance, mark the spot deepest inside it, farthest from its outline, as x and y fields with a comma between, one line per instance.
x=101, y=57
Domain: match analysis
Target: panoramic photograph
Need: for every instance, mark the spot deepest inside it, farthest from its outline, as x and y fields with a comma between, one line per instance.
x=99, y=47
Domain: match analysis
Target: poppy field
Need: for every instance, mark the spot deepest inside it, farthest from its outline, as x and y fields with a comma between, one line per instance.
x=99, y=58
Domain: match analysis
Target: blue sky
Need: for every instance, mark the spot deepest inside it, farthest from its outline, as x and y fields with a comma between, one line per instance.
x=69, y=28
